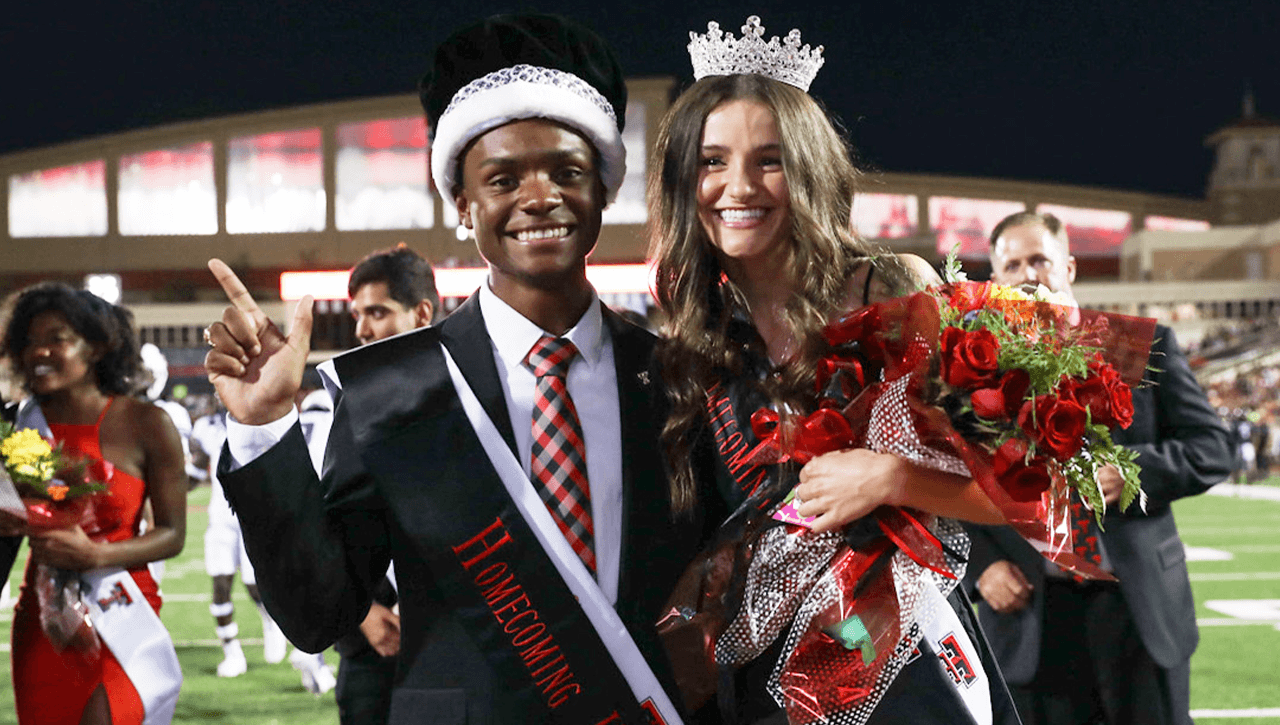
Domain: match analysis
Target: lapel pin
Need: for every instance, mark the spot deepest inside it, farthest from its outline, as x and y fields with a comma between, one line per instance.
x=643, y=376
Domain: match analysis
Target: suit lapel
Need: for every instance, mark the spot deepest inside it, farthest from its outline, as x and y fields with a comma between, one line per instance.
x=464, y=335
x=632, y=349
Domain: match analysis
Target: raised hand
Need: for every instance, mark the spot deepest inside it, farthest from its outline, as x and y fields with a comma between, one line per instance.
x=255, y=369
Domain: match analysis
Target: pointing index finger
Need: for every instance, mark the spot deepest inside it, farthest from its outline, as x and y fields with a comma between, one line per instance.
x=236, y=292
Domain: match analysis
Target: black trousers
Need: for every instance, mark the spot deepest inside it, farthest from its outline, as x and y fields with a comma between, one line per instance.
x=364, y=688
x=1094, y=668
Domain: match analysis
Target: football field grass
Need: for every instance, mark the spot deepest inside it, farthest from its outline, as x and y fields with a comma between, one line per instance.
x=1234, y=550
x=265, y=695
x=1234, y=545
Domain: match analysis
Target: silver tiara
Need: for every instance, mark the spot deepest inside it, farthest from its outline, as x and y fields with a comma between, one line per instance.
x=720, y=54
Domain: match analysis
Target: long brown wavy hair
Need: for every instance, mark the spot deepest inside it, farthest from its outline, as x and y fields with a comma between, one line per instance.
x=692, y=288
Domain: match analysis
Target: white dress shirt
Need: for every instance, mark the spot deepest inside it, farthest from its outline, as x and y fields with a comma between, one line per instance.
x=593, y=385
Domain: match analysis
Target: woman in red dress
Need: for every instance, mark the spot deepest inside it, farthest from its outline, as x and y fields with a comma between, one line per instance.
x=77, y=356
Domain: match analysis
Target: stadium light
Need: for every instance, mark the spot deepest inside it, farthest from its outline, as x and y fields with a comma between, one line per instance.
x=106, y=286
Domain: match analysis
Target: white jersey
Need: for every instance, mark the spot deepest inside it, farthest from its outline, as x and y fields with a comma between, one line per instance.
x=209, y=433
x=182, y=421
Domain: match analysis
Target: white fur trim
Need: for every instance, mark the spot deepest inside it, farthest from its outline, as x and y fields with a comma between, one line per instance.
x=491, y=108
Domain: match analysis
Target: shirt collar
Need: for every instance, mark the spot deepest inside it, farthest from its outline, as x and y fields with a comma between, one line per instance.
x=517, y=334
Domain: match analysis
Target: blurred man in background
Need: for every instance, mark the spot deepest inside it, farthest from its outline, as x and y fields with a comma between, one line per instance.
x=1101, y=651
x=392, y=291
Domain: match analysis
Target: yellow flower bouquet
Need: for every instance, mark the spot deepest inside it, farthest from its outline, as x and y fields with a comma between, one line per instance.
x=54, y=489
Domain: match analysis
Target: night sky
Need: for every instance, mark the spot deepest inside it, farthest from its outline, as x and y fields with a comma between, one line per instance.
x=1118, y=95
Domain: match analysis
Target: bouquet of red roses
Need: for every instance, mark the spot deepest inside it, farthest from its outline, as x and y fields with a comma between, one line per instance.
x=1014, y=390
x=1019, y=387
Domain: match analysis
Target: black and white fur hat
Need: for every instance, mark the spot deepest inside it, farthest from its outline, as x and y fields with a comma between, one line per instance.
x=512, y=67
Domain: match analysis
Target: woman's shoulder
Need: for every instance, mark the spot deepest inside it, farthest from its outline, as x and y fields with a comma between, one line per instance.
x=924, y=272
x=869, y=283
x=148, y=421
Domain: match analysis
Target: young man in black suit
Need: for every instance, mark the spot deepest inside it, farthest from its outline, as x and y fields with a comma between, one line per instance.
x=438, y=432
x=1113, y=652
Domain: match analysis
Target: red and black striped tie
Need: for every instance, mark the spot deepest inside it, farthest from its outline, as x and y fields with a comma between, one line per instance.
x=559, y=465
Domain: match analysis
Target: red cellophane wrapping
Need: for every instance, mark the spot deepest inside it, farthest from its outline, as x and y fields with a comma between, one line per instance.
x=63, y=613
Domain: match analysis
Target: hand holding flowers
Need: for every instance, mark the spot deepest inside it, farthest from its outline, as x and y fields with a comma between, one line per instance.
x=54, y=506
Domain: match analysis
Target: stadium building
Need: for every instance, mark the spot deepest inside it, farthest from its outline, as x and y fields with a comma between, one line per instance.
x=312, y=189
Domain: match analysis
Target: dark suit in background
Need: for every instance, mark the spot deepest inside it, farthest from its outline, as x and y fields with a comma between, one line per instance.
x=400, y=438
x=1132, y=641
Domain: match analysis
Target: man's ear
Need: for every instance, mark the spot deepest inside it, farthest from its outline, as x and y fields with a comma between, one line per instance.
x=1071, y=269
x=464, y=208
x=422, y=313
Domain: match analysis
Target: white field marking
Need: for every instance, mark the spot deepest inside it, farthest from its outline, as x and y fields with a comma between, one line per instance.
x=1204, y=553
x=1236, y=490
x=1251, y=576
x=1243, y=612
x=182, y=569
x=1264, y=610
x=1250, y=712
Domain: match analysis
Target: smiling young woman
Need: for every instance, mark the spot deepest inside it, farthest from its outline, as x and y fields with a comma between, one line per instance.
x=78, y=358
x=750, y=193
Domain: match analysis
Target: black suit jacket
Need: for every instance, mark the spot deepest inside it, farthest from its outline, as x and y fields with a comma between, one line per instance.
x=399, y=436
x=1183, y=450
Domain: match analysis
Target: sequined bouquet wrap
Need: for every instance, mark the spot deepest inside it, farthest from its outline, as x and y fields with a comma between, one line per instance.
x=968, y=378
x=50, y=490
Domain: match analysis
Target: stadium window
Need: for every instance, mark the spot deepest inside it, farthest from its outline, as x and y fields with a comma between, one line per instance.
x=381, y=169
x=966, y=223
x=1175, y=224
x=275, y=183
x=168, y=191
x=886, y=216
x=67, y=201
x=629, y=207
x=1092, y=232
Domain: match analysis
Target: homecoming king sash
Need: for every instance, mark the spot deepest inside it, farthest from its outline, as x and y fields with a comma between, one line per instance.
x=558, y=652
x=608, y=626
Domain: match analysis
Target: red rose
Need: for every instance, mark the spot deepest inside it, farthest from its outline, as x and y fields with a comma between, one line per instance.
x=1003, y=401
x=1109, y=400
x=1057, y=425
x=1121, y=404
x=969, y=358
x=1022, y=480
x=988, y=403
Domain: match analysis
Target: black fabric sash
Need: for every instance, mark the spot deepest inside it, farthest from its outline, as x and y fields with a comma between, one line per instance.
x=546, y=658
